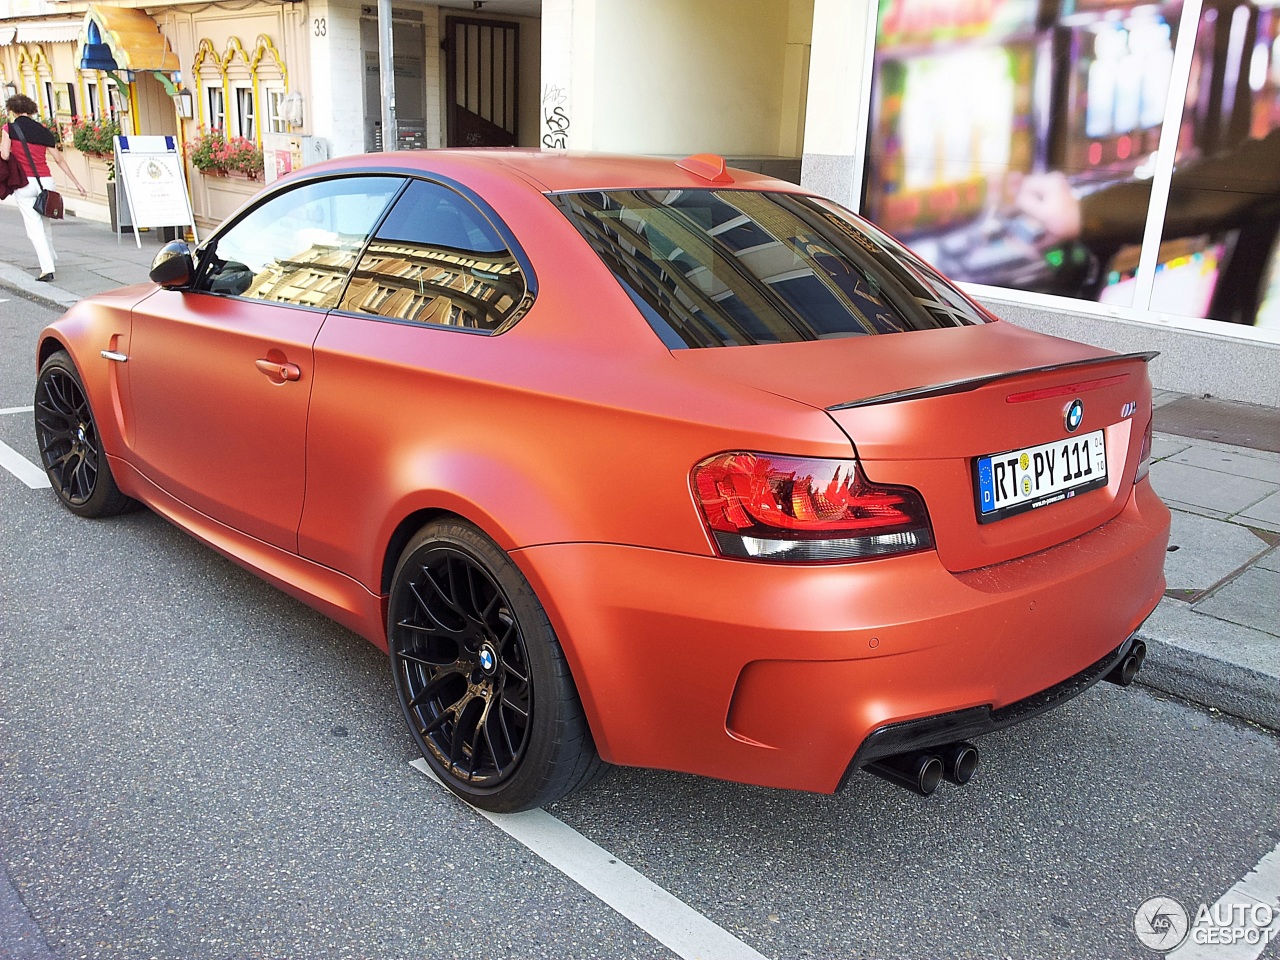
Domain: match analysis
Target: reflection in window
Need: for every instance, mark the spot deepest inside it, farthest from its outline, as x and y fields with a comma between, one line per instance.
x=299, y=247
x=437, y=260
x=728, y=268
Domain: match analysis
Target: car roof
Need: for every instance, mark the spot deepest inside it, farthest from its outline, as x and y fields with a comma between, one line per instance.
x=551, y=171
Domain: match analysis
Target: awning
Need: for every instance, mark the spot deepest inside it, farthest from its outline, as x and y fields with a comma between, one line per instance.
x=123, y=38
x=48, y=31
x=39, y=31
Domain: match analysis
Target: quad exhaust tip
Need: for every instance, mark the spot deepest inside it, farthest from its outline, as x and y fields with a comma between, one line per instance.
x=922, y=770
x=1124, y=672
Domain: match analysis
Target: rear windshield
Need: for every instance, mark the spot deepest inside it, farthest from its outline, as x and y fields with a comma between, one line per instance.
x=720, y=268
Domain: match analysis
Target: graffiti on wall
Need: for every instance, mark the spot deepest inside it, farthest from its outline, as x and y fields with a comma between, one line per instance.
x=555, y=117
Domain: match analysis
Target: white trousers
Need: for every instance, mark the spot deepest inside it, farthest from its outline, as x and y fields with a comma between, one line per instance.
x=39, y=231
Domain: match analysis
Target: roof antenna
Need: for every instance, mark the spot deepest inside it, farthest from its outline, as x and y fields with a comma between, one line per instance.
x=708, y=166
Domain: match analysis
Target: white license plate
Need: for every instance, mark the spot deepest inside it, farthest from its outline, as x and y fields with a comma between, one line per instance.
x=1020, y=480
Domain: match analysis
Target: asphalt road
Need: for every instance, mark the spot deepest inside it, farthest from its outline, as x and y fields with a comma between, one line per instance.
x=194, y=765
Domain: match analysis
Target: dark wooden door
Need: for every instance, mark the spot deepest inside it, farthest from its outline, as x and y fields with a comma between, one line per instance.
x=482, y=62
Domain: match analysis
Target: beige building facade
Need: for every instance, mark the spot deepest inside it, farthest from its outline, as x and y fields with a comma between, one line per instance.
x=923, y=114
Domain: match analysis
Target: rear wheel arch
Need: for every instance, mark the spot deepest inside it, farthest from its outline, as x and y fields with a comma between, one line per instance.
x=465, y=628
x=405, y=531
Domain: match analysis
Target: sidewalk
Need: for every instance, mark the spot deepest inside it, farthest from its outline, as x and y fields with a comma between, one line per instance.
x=1214, y=639
x=89, y=259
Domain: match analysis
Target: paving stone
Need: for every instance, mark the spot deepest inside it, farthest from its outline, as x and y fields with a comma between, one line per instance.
x=1196, y=509
x=1176, y=622
x=1250, y=600
x=1207, y=488
x=1267, y=510
x=1208, y=550
x=1238, y=463
x=1168, y=446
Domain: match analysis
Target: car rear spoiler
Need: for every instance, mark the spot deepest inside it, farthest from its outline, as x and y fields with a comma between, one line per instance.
x=973, y=383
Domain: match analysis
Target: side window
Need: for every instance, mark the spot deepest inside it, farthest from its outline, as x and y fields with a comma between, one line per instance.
x=298, y=247
x=437, y=260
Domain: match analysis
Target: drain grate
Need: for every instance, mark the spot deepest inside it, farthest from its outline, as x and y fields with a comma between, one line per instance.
x=1239, y=424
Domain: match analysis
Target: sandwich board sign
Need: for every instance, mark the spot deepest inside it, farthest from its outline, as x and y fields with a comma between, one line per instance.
x=151, y=190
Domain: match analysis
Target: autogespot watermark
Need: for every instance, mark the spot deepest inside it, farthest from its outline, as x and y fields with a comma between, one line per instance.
x=1163, y=924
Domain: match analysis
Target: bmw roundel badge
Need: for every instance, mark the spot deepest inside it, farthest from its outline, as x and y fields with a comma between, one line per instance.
x=1074, y=415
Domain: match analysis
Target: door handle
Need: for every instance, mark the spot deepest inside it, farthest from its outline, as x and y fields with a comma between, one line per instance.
x=279, y=372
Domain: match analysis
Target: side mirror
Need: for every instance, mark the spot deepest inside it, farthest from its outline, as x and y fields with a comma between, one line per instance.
x=173, y=266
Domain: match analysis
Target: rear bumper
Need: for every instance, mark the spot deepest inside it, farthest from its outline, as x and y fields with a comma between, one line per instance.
x=930, y=732
x=776, y=675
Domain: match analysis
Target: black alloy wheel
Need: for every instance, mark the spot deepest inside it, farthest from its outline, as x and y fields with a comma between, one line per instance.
x=480, y=675
x=70, y=445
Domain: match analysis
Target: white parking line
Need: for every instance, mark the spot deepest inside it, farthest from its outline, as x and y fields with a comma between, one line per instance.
x=4, y=410
x=22, y=468
x=667, y=919
x=1243, y=905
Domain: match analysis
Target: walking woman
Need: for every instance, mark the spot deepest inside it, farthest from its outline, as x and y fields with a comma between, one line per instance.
x=43, y=145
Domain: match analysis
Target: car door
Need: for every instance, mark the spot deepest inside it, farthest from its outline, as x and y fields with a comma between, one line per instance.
x=220, y=374
x=400, y=372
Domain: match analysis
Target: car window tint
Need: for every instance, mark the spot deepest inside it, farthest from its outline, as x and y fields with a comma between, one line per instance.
x=437, y=259
x=299, y=246
x=734, y=268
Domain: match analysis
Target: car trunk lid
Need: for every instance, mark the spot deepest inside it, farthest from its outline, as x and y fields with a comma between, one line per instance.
x=923, y=408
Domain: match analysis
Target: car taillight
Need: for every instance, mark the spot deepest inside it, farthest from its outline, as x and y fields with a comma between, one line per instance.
x=762, y=507
x=1144, y=455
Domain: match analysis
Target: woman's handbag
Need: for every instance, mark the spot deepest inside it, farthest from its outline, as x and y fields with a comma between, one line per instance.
x=49, y=202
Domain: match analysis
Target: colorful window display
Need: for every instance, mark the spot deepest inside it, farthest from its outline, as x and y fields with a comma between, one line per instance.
x=1015, y=143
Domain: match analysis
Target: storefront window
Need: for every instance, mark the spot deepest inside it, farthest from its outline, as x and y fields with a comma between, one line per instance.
x=991, y=120
x=1219, y=257
x=1016, y=144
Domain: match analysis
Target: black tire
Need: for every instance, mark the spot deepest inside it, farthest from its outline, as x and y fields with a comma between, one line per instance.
x=70, y=445
x=481, y=678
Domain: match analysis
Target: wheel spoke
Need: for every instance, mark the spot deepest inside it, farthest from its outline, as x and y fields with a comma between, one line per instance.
x=476, y=737
x=456, y=741
x=424, y=657
x=506, y=733
x=435, y=684
x=479, y=609
x=439, y=721
x=55, y=433
x=499, y=765
x=514, y=707
x=426, y=607
x=45, y=406
x=450, y=576
x=57, y=395
x=80, y=481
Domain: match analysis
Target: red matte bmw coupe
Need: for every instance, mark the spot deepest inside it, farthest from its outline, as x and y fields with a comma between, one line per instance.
x=628, y=461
